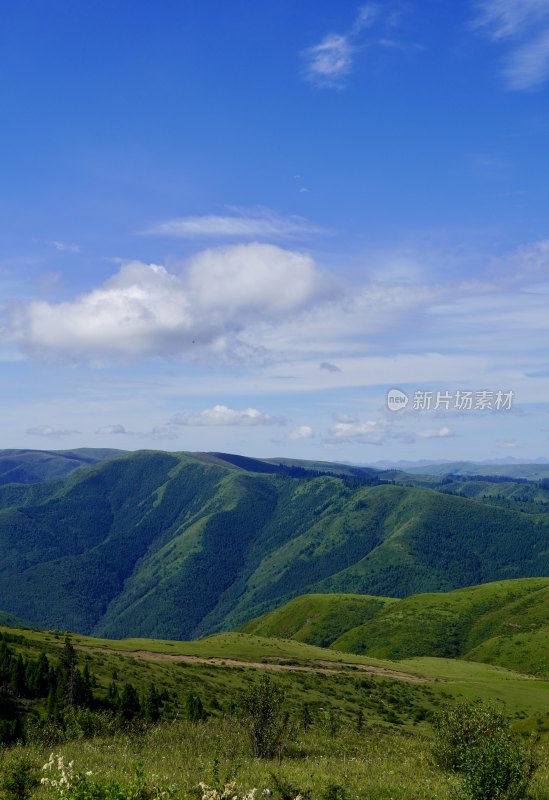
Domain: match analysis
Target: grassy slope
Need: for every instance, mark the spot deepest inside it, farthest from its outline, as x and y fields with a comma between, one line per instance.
x=318, y=618
x=143, y=661
x=504, y=623
x=389, y=759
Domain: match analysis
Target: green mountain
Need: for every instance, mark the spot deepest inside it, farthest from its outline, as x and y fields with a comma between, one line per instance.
x=34, y=466
x=177, y=545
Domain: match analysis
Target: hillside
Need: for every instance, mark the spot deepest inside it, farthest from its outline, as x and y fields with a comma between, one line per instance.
x=318, y=619
x=171, y=713
x=177, y=545
x=9, y=621
x=35, y=466
x=505, y=623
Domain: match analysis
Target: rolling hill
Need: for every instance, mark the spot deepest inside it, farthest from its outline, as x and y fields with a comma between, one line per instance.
x=504, y=623
x=177, y=545
x=35, y=466
x=318, y=619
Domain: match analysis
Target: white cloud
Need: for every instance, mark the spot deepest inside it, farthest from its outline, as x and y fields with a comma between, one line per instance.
x=331, y=60
x=302, y=432
x=367, y=14
x=239, y=279
x=145, y=310
x=525, y=25
x=49, y=432
x=370, y=432
x=509, y=18
x=438, y=433
x=223, y=415
x=529, y=65
x=261, y=223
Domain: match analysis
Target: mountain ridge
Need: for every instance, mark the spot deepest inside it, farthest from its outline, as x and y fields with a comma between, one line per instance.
x=179, y=545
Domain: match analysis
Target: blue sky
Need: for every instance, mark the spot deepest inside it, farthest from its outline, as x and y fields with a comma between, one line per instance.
x=238, y=226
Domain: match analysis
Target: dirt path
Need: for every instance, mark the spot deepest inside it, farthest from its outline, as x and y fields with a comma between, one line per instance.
x=321, y=667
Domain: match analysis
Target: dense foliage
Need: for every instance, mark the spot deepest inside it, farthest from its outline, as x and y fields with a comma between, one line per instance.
x=476, y=741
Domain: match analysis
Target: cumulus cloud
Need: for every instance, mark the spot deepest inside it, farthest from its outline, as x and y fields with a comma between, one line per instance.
x=524, y=26
x=223, y=415
x=302, y=432
x=242, y=224
x=145, y=310
x=50, y=432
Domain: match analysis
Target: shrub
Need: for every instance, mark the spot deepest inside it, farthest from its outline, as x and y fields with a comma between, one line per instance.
x=476, y=740
x=19, y=777
x=267, y=720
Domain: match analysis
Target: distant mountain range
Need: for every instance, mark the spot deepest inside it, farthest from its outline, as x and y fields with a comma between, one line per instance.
x=508, y=465
x=178, y=545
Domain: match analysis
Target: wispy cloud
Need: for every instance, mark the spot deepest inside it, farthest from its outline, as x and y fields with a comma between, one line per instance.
x=112, y=430
x=329, y=367
x=158, y=432
x=529, y=65
x=50, y=432
x=240, y=224
x=330, y=61
x=223, y=415
x=508, y=18
x=524, y=26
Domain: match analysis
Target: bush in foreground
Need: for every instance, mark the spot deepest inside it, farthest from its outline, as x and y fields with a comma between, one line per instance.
x=266, y=718
x=475, y=740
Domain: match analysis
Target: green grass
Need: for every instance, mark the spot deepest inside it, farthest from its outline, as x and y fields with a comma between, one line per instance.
x=505, y=623
x=333, y=677
x=389, y=759
x=374, y=765
x=318, y=618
